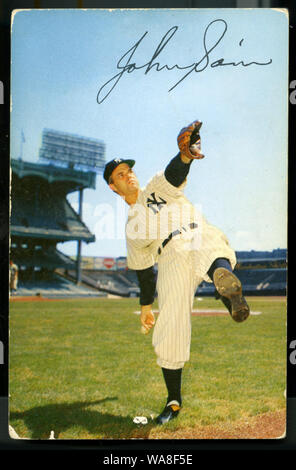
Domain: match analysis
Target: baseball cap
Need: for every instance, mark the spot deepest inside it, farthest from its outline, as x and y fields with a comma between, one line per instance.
x=110, y=166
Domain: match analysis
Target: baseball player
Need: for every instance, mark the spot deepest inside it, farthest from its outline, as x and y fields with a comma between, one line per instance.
x=13, y=276
x=164, y=228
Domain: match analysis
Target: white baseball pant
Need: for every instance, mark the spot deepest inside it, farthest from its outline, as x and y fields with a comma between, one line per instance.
x=180, y=271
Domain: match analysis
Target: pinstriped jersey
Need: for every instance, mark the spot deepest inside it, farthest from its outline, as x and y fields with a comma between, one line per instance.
x=160, y=209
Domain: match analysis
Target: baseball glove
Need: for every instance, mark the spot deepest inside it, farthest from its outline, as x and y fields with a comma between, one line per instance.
x=189, y=140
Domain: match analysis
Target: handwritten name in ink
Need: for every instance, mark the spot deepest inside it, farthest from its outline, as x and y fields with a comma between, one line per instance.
x=126, y=66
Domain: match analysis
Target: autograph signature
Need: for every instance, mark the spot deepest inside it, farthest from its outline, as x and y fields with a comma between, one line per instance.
x=126, y=66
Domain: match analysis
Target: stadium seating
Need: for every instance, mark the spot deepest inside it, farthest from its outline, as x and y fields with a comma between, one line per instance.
x=112, y=282
x=268, y=280
x=63, y=219
x=130, y=276
x=42, y=217
x=255, y=282
x=53, y=287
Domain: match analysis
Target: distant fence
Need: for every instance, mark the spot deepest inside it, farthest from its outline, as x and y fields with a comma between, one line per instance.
x=246, y=260
x=103, y=263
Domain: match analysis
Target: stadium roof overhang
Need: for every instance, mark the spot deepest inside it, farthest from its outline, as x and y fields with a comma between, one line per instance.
x=67, y=178
x=53, y=234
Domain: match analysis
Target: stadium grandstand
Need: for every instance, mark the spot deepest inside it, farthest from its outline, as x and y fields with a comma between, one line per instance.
x=41, y=216
x=261, y=273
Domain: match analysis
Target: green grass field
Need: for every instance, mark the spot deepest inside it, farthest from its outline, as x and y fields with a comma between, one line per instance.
x=83, y=369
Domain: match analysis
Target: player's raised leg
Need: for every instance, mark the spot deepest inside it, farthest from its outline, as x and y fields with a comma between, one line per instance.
x=229, y=288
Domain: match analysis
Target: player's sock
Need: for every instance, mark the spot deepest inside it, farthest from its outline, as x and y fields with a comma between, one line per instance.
x=173, y=378
x=219, y=263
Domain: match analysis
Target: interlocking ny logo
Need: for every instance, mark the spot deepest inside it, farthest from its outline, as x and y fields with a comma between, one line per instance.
x=154, y=204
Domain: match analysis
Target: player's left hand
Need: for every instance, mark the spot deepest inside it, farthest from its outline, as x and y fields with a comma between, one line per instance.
x=189, y=141
x=147, y=319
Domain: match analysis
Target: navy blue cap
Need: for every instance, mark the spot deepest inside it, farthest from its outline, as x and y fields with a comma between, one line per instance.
x=110, y=167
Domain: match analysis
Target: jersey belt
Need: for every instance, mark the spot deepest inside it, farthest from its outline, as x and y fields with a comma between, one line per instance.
x=173, y=234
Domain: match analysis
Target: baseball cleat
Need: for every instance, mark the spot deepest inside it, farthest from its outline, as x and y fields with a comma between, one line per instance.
x=230, y=289
x=170, y=412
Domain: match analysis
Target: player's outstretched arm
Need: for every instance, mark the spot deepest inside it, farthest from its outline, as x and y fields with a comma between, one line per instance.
x=177, y=170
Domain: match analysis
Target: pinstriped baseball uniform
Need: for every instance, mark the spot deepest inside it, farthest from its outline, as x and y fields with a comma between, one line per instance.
x=161, y=214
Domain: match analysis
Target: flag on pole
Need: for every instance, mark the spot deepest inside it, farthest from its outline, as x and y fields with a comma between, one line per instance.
x=23, y=137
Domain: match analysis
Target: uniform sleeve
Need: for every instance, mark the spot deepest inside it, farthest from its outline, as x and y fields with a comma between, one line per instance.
x=138, y=258
x=177, y=171
x=160, y=184
x=147, y=284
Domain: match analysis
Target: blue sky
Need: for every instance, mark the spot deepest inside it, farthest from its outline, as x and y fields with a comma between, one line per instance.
x=61, y=58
